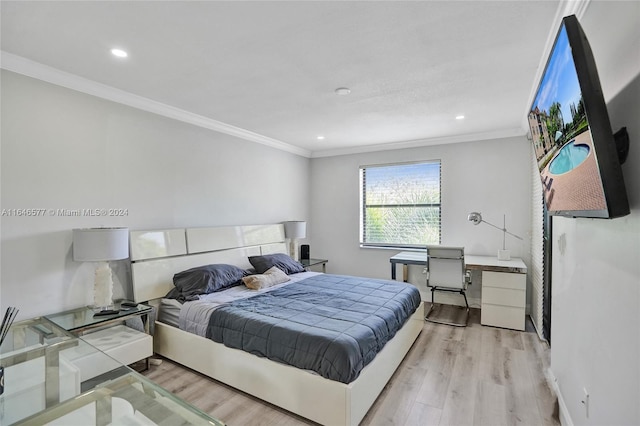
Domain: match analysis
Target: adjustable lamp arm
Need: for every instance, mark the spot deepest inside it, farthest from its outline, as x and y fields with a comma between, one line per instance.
x=476, y=219
x=502, y=229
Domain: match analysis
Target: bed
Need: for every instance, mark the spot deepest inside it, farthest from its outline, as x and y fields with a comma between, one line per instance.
x=159, y=254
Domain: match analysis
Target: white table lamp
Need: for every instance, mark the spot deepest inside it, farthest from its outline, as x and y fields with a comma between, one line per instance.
x=294, y=230
x=504, y=254
x=101, y=245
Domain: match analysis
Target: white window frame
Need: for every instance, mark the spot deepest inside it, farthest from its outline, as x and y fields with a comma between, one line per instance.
x=363, y=206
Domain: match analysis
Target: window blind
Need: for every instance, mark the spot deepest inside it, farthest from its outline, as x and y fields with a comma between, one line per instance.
x=537, y=247
x=400, y=204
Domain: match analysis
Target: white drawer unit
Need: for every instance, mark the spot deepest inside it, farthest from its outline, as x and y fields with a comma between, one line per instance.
x=122, y=343
x=504, y=296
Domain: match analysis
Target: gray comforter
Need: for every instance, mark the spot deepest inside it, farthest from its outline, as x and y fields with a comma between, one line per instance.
x=331, y=324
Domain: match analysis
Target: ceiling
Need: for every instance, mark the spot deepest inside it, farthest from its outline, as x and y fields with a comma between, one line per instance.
x=267, y=71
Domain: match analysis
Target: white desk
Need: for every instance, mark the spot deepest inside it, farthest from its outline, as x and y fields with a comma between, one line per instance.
x=504, y=286
x=491, y=263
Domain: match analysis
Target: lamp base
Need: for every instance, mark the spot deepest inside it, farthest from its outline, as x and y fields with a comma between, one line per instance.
x=504, y=254
x=103, y=288
x=292, y=249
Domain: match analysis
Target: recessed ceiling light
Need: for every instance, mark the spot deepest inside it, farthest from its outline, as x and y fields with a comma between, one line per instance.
x=119, y=53
x=342, y=91
x=320, y=137
x=459, y=117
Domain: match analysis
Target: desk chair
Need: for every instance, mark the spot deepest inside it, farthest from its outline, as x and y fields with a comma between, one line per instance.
x=446, y=272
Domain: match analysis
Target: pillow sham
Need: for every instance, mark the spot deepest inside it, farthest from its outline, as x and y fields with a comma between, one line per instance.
x=282, y=261
x=207, y=279
x=270, y=278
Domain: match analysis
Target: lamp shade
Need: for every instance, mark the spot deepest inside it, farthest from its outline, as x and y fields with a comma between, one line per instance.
x=100, y=244
x=295, y=229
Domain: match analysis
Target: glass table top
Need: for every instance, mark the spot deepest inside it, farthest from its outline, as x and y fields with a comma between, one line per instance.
x=85, y=317
x=127, y=400
x=312, y=262
x=50, y=376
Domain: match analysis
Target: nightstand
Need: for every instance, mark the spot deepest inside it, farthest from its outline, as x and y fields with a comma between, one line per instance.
x=109, y=333
x=308, y=263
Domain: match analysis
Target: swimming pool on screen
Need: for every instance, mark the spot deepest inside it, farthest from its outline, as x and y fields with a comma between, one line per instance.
x=569, y=157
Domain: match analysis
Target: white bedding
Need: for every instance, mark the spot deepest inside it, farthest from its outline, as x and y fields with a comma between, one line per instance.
x=194, y=316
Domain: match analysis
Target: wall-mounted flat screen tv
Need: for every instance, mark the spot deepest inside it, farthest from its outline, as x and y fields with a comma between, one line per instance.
x=571, y=133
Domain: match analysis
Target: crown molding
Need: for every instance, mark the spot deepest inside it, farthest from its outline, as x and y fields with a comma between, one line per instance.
x=471, y=137
x=573, y=7
x=29, y=68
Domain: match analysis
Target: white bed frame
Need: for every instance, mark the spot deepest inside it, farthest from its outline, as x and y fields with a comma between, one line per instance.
x=157, y=255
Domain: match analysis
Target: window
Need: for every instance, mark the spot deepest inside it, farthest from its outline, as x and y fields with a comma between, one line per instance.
x=400, y=205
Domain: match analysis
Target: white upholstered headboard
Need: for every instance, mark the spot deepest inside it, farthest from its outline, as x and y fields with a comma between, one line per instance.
x=156, y=255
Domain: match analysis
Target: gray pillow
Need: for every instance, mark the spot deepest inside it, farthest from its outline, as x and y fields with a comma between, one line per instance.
x=280, y=260
x=207, y=279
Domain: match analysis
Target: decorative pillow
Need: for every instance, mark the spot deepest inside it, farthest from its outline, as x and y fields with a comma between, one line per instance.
x=272, y=277
x=282, y=261
x=207, y=279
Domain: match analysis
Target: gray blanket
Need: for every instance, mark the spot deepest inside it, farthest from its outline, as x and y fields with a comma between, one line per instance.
x=331, y=324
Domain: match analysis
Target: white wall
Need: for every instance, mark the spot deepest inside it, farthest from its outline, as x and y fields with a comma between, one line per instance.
x=491, y=177
x=66, y=150
x=595, y=321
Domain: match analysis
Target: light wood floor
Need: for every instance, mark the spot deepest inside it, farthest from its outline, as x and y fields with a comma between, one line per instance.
x=451, y=376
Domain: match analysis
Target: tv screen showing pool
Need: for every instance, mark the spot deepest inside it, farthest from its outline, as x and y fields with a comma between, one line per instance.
x=562, y=138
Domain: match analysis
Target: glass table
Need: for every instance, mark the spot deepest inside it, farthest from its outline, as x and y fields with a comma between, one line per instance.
x=82, y=320
x=53, y=377
x=308, y=263
x=123, y=335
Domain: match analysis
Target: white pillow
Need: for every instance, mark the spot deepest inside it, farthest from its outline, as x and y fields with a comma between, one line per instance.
x=271, y=277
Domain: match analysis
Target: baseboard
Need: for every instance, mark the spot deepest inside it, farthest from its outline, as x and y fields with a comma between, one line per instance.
x=565, y=417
